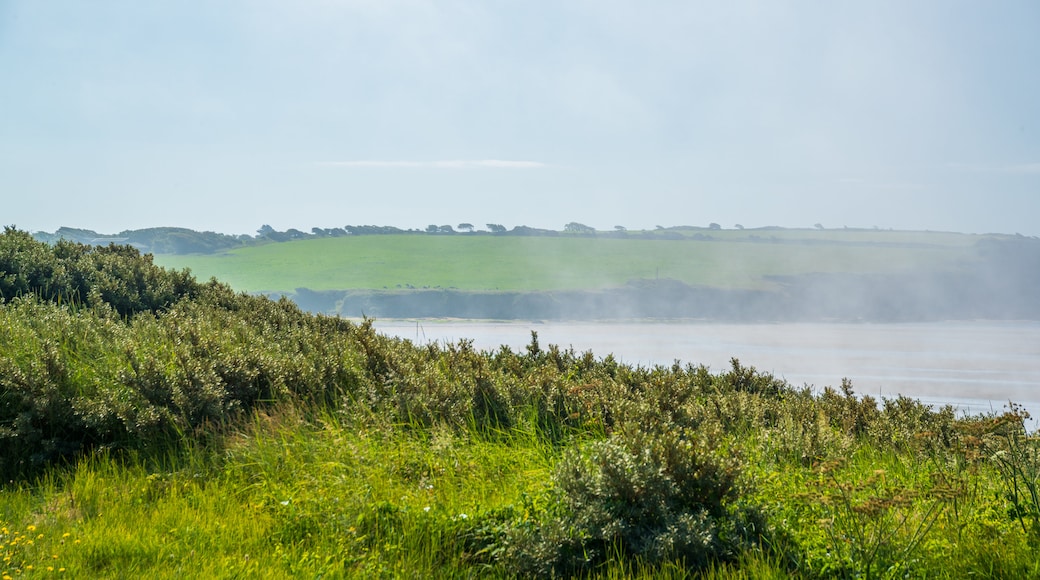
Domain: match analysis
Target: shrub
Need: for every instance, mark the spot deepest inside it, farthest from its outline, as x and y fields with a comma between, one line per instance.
x=118, y=276
x=652, y=497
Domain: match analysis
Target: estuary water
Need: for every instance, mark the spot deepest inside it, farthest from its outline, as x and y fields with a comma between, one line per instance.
x=976, y=366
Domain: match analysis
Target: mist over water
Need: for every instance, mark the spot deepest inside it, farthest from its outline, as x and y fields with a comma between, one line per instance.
x=976, y=366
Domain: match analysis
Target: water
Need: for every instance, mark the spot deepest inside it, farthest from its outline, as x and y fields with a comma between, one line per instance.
x=977, y=367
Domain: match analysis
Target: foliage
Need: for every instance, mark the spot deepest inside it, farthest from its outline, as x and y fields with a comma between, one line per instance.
x=158, y=240
x=655, y=498
x=1016, y=455
x=362, y=230
x=578, y=228
x=875, y=522
x=119, y=277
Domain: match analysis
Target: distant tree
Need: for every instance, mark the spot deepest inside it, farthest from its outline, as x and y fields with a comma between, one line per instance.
x=818, y=226
x=714, y=226
x=320, y=232
x=738, y=226
x=432, y=229
x=576, y=228
x=446, y=230
x=529, y=231
x=272, y=234
x=465, y=227
x=621, y=228
x=365, y=230
x=295, y=234
x=496, y=228
x=659, y=227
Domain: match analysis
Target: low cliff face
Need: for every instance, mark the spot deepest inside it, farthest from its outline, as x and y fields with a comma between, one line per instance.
x=1002, y=284
x=807, y=298
x=663, y=300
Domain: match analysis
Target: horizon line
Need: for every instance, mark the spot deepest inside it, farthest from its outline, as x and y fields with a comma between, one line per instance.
x=440, y=164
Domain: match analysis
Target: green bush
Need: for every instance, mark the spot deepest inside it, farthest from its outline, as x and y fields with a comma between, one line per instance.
x=649, y=497
x=117, y=276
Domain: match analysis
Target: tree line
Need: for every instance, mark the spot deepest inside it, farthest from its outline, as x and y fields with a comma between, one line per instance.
x=172, y=240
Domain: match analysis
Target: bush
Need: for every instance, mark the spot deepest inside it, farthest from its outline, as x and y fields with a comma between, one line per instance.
x=117, y=276
x=652, y=498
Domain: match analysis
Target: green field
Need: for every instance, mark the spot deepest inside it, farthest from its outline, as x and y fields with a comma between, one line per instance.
x=731, y=259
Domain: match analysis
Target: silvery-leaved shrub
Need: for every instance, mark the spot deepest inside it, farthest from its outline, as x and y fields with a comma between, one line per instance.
x=650, y=497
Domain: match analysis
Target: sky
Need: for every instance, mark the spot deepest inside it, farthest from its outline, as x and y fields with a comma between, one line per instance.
x=226, y=115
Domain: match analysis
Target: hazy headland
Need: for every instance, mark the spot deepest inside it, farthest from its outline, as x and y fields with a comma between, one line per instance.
x=713, y=273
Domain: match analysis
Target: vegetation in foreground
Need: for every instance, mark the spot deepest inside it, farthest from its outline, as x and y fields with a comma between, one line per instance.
x=152, y=425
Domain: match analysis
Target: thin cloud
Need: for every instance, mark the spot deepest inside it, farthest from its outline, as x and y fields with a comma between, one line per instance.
x=1016, y=168
x=447, y=164
x=891, y=185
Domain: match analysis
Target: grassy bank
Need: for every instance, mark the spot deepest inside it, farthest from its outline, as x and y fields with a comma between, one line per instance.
x=153, y=426
x=731, y=259
x=325, y=494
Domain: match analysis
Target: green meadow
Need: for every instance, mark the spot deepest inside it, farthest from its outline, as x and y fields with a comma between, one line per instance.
x=731, y=259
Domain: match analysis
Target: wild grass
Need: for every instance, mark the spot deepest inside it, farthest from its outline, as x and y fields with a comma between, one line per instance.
x=288, y=498
x=517, y=263
x=326, y=495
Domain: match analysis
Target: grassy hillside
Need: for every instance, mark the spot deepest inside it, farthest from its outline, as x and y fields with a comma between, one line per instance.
x=730, y=259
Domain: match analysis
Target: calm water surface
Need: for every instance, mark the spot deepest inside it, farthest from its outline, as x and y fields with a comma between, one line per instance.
x=975, y=366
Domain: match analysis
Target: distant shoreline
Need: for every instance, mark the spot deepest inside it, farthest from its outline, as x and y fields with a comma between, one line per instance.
x=815, y=298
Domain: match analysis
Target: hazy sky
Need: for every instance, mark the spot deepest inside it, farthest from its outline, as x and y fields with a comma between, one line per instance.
x=226, y=115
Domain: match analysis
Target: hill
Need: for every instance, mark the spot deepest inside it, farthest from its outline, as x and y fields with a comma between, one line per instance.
x=577, y=262
x=761, y=274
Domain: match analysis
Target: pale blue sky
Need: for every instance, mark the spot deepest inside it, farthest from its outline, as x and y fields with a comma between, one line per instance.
x=226, y=115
